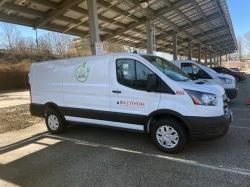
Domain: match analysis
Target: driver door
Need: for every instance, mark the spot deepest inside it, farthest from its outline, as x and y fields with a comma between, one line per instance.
x=129, y=93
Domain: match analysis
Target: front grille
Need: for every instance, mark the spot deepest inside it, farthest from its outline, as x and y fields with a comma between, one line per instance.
x=225, y=104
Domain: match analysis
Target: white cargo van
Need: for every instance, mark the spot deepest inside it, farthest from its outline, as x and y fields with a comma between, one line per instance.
x=129, y=91
x=203, y=73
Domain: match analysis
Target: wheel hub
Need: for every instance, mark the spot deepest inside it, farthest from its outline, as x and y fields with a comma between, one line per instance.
x=53, y=122
x=167, y=136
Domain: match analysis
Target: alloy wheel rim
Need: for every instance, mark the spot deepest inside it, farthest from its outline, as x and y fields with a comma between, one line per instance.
x=167, y=136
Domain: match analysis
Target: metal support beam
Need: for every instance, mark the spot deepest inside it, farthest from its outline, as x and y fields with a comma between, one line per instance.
x=205, y=57
x=175, y=47
x=199, y=53
x=214, y=60
x=93, y=25
x=190, y=50
x=211, y=60
x=36, y=41
x=150, y=29
x=52, y=14
x=2, y=2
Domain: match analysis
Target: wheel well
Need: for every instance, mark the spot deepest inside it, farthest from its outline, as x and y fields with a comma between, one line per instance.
x=48, y=106
x=156, y=117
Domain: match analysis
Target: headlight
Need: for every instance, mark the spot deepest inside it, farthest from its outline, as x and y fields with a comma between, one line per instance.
x=202, y=98
x=226, y=80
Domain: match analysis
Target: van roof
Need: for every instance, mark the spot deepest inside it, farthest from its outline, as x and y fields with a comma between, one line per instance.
x=187, y=61
x=98, y=57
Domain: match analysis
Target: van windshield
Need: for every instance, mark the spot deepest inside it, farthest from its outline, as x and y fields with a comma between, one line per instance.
x=169, y=69
x=209, y=69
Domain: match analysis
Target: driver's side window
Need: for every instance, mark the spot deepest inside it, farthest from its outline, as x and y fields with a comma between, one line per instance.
x=187, y=68
x=132, y=73
x=194, y=71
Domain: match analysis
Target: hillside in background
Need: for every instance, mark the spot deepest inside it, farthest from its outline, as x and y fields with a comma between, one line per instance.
x=14, y=75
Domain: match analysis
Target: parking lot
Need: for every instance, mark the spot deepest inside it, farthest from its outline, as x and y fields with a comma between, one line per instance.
x=91, y=156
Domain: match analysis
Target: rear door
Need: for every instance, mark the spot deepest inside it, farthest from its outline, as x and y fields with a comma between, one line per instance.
x=129, y=98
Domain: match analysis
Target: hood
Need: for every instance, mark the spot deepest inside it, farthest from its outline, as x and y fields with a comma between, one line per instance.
x=202, y=86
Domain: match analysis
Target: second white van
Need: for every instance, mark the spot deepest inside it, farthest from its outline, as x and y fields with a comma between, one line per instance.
x=128, y=91
x=203, y=73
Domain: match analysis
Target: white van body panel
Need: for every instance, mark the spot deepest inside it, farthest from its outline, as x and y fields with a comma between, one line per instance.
x=94, y=93
x=46, y=82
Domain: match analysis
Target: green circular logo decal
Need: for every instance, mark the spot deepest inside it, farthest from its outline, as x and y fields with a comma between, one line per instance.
x=82, y=72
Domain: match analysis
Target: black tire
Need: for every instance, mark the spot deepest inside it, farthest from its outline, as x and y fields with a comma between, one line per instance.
x=177, y=127
x=54, y=114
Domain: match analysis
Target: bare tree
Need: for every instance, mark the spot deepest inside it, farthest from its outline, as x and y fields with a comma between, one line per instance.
x=60, y=43
x=113, y=47
x=57, y=44
x=10, y=35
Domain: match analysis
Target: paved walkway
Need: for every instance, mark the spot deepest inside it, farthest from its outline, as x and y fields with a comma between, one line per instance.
x=15, y=98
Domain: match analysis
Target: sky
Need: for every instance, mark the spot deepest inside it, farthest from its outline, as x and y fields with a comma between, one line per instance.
x=239, y=11
x=240, y=15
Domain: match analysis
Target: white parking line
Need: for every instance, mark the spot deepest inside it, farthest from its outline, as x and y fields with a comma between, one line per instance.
x=237, y=171
x=240, y=127
x=244, y=119
x=243, y=109
x=22, y=142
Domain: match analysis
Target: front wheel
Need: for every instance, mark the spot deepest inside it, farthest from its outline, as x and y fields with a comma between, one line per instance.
x=168, y=135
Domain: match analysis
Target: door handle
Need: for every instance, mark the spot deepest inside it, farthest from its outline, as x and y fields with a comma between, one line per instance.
x=116, y=91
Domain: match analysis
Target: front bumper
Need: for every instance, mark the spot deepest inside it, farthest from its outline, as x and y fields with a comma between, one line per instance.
x=209, y=127
x=231, y=93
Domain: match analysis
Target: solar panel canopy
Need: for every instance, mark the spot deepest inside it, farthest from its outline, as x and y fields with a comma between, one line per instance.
x=206, y=23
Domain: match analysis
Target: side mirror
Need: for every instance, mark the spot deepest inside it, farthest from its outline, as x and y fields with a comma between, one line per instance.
x=152, y=82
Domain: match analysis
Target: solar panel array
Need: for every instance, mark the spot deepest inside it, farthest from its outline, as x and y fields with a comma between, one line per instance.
x=206, y=23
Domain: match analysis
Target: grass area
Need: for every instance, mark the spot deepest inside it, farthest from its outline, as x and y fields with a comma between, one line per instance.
x=17, y=117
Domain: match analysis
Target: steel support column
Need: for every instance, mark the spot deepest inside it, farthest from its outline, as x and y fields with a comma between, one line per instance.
x=190, y=50
x=214, y=61
x=199, y=53
x=93, y=25
x=217, y=60
x=175, y=47
x=210, y=61
x=150, y=29
x=205, y=57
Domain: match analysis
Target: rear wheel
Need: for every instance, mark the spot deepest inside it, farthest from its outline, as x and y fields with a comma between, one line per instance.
x=168, y=135
x=54, y=121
